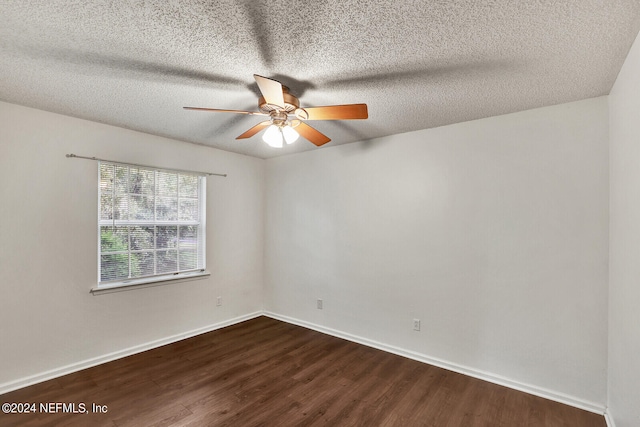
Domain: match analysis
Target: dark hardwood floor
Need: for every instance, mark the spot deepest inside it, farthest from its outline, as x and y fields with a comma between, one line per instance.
x=264, y=372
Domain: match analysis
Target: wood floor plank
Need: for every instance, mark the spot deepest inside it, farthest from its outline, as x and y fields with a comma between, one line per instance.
x=264, y=372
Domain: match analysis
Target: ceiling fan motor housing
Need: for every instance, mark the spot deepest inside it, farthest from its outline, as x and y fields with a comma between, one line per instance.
x=291, y=103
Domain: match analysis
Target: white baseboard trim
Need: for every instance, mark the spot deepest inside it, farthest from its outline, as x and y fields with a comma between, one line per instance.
x=486, y=376
x=608, y=418
x=78, y=366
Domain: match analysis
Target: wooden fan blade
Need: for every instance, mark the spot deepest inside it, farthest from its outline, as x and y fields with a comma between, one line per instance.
x=271, y=90
x=216, y=110
x=312, y=134
x=338, y=112
x=257, y=128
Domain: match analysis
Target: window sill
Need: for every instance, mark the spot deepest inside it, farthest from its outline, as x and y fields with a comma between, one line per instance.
x=129, y=285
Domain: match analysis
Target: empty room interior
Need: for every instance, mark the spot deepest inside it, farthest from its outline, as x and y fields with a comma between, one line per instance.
x=320, y=213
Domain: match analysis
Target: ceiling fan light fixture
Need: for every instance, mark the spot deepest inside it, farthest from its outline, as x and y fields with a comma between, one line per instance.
x=278, y=104
x=290, y=134
x=273, y=137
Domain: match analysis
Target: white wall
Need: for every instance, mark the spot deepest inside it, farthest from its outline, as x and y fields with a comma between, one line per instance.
x=624, y=276
x=494, y=233
x=48, y=259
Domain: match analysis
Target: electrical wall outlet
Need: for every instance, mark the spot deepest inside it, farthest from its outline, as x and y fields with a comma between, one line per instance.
x=219, y=301
x=319, y=304
x=416, y=324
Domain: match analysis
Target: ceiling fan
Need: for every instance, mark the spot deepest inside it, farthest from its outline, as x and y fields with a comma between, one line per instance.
x=278, y=104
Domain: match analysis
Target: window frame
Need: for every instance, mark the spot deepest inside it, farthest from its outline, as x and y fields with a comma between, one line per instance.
x=137, y=282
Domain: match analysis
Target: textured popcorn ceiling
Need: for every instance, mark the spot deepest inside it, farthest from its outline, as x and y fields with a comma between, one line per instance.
x=417, y=64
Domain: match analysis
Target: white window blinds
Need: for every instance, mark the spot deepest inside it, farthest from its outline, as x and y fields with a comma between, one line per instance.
x=151, y=222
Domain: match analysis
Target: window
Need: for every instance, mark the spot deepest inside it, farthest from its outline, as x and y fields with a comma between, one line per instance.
x=151, y=224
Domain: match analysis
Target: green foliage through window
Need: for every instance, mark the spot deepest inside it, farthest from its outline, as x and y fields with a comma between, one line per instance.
x=150, y=222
